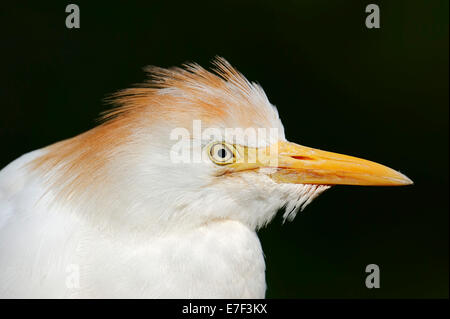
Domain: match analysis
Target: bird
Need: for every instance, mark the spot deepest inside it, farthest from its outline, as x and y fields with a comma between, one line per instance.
x=163, y=198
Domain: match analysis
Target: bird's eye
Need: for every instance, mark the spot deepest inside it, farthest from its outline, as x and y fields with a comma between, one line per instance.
x=221, y=154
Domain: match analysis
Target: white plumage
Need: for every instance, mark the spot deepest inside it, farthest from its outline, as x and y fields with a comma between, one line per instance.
x=110, y=214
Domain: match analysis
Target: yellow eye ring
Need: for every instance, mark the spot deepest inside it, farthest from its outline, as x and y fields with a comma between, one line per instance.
x=221, y=153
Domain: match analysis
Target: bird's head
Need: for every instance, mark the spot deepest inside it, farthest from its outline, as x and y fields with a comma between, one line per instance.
x=192, y=146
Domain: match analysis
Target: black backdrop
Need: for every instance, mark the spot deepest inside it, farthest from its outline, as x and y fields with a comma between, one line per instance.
x=380, y=94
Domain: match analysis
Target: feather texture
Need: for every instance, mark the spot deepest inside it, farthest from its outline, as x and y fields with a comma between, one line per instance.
x=111, y=209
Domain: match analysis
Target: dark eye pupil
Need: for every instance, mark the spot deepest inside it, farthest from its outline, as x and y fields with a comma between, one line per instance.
x=222, y=153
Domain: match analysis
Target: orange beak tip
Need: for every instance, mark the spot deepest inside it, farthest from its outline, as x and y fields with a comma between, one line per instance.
x=405, y=180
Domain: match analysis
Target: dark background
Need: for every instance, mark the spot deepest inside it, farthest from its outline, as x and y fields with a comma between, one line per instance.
x=380, y=94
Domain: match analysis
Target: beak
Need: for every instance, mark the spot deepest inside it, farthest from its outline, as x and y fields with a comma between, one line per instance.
x=293, y=163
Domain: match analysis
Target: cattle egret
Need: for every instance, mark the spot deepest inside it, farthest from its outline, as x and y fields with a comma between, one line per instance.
x=148, y=204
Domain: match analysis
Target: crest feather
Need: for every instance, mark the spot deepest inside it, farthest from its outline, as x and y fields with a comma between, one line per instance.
x=210, y=94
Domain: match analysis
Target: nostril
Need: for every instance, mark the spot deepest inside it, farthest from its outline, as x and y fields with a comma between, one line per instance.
x=303, y=158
